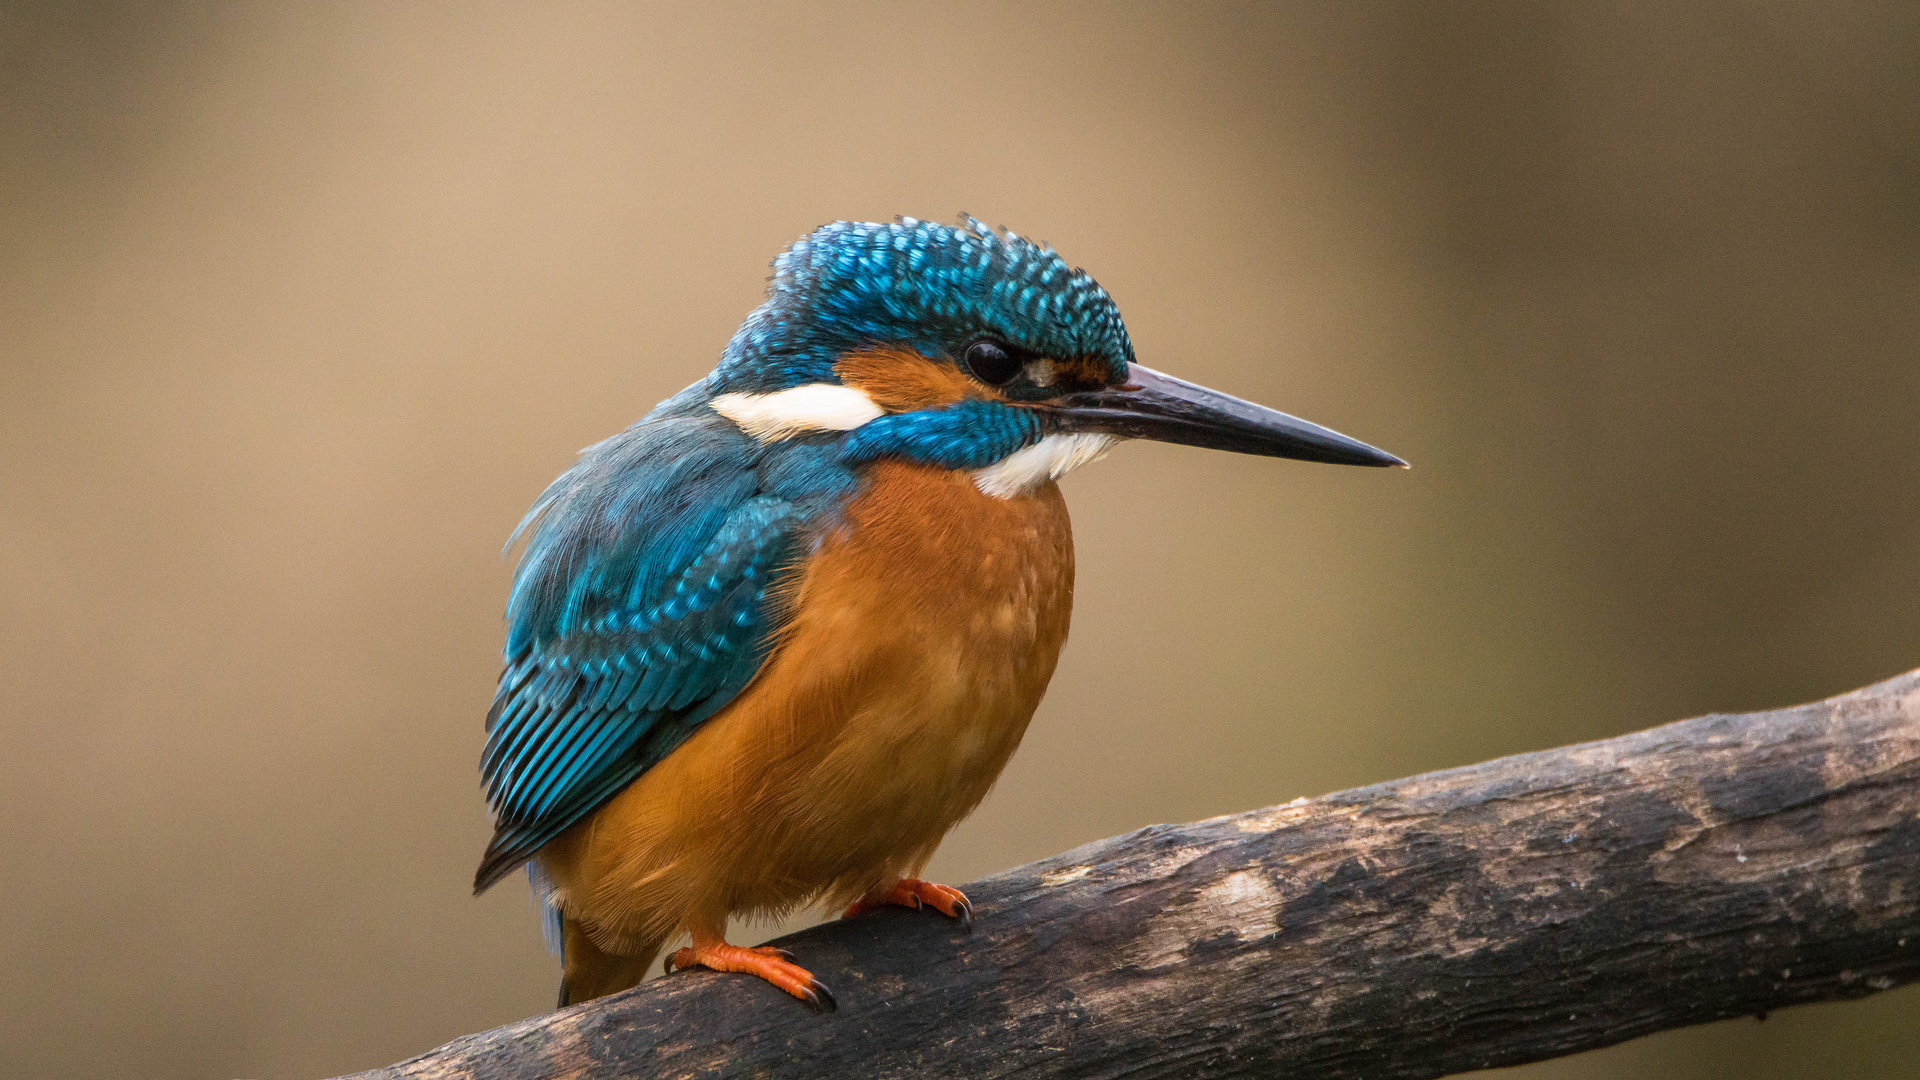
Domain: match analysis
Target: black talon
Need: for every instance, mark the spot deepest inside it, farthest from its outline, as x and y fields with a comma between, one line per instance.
x=966, y=916
x=781, y=953
x=667, y=968
x=819, y=998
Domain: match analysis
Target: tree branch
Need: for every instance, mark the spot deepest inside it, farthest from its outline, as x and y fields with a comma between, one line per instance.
x=1521, y=909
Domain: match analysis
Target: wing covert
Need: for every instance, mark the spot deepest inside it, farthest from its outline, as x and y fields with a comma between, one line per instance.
x=646, y=600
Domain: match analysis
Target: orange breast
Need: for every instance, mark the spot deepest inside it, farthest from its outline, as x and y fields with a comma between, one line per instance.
x=923, y=635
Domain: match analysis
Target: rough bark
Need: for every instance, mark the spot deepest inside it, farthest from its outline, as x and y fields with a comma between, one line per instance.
x=1521, y=909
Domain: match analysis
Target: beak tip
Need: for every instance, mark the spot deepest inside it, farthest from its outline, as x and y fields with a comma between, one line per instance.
x=1372, y=456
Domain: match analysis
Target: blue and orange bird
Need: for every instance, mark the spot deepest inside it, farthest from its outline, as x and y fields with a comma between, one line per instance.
x=769, y=644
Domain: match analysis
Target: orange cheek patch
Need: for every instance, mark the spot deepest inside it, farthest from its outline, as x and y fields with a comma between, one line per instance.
x=900, y=380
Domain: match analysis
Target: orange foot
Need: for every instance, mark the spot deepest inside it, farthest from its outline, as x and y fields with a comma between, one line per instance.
x=771, y=964
x=912, y=893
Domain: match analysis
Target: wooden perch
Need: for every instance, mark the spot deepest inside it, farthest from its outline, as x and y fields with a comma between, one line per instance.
x=1521, y=909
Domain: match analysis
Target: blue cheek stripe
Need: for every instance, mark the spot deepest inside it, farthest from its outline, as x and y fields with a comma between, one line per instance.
x=968, y=434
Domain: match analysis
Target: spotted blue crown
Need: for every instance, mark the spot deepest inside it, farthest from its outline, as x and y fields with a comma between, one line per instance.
x=853, y=285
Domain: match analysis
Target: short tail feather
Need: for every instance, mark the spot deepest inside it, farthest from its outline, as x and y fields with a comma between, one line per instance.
x=588, y=972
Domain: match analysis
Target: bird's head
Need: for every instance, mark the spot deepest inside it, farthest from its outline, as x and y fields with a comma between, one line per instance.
x=971, y=349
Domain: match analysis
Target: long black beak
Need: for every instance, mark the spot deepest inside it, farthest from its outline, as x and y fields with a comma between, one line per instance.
x=1155, y=406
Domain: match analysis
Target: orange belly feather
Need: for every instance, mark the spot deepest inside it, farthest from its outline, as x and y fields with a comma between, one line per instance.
x=922, y=638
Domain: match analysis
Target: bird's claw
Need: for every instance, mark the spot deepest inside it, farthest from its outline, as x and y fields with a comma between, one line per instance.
x=916, y=894
x=770, y=962
x=819, y=998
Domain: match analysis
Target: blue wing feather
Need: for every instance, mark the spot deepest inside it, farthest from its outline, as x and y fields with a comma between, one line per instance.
x=646, y=599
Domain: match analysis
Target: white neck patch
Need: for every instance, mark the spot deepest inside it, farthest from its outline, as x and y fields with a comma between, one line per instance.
x=798, y=409
x=1049, y=459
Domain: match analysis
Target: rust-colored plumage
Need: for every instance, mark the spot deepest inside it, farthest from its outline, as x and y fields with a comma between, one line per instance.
x=903, y=381
x=922, y=637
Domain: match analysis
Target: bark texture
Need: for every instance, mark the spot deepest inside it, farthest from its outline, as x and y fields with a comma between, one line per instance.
x=1521, y=909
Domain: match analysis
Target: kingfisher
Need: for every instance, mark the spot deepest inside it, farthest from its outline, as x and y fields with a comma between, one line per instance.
x=769, y=644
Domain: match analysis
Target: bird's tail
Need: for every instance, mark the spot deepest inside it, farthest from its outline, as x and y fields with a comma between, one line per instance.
x=588, y=972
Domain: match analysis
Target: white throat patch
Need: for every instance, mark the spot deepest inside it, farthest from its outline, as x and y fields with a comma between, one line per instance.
x=798, y=409
x=1049, y=459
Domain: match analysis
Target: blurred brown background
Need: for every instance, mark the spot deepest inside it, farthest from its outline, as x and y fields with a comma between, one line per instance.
x=301, y=305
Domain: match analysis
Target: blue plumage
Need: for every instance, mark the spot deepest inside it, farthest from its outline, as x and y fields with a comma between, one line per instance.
x=922, y=285
x=965, y=435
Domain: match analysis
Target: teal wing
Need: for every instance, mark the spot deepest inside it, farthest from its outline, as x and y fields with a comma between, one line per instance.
x=647, y=598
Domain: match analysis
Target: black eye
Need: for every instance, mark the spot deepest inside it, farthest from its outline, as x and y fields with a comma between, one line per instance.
x=991, y=363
